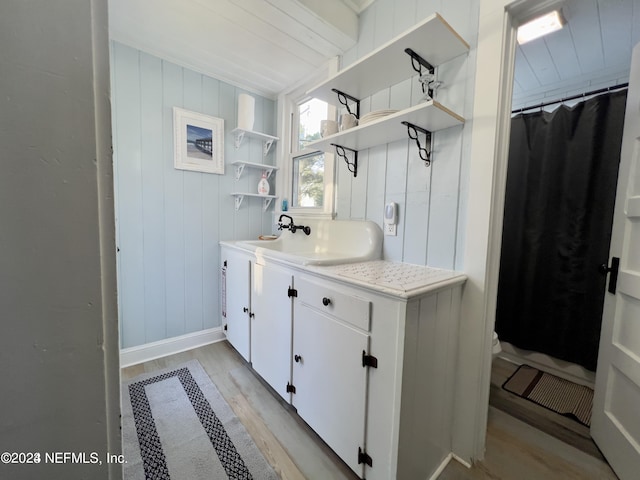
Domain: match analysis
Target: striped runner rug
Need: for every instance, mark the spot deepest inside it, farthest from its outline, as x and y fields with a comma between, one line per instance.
x=554, y=393
x=176, y=425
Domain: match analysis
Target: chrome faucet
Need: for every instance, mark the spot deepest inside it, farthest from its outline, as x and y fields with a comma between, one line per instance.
x=291, y=227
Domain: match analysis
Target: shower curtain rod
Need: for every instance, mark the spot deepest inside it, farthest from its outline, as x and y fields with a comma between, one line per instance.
x=573, y=97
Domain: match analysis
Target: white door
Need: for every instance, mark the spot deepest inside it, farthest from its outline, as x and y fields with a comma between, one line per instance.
x=271, y=326
x=237, y=286
x=330, y=381
x=615, y=424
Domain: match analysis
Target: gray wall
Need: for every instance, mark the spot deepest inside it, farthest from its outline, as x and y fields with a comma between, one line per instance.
x=58, y=357
x=432, y=201
x=170, y=221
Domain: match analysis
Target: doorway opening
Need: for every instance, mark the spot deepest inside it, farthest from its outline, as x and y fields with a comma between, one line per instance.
x=542, y=73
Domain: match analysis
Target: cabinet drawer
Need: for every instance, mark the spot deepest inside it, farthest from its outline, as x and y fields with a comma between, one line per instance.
x=328, y=299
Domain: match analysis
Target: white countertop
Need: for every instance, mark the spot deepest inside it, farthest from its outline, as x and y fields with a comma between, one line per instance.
x=394, y=278
x=394, y=275
x=398, y=279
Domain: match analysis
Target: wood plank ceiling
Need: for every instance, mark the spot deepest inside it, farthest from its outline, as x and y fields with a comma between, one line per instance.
x=266, y=46
x=261, y=45
x=592, y=51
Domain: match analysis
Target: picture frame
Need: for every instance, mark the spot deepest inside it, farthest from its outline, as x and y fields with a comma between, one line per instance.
x=198, y=142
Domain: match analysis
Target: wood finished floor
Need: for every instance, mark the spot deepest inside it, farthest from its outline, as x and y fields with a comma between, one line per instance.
x=558, y=426
x=515, y=450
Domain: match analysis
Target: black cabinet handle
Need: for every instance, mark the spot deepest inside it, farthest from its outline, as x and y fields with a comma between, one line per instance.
x=245, y=309
x=326, y=301
x=297, y=358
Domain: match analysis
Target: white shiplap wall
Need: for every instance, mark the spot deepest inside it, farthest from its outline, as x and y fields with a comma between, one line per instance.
x=432, y=200
x=169, y=221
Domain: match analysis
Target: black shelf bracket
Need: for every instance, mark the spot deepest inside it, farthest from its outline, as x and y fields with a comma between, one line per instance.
x=352, y=166
x=417, y=62
x=344, y=98
x=424, y=152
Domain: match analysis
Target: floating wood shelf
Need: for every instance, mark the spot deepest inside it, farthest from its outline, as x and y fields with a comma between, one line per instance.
x=429, y=115
x=433, y=39
x=426, y=45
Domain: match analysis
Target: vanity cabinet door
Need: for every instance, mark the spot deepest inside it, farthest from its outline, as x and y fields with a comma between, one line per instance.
x=237, y=285
x=330, y=381
x=271, y=326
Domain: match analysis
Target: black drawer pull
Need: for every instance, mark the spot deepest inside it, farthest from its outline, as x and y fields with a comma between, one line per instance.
x=326, y=301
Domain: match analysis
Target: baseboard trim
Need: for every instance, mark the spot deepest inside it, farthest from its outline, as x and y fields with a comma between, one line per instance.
x=441, y=468
x=461, y=460
x=560, y=368
x=162, y=348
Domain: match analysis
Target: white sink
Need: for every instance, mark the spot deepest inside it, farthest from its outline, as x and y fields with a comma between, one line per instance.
x=331, y=242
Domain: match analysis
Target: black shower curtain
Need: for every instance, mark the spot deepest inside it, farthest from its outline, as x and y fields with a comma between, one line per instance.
x=561, y=186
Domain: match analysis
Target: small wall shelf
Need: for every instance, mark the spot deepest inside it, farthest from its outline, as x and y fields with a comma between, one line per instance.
x=266, y=199
x=267, y=140
x=240, y=166
x=427, y=44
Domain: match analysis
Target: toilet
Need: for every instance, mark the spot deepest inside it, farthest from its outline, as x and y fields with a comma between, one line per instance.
x=495, y=345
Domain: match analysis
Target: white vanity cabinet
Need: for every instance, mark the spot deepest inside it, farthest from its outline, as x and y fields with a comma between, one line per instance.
x=329, y=375
x=408, y=345
x=365, y=352
x=236, y=282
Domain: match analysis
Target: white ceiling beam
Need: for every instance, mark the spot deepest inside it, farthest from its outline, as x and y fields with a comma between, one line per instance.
x=258, y=20
x=333, y=21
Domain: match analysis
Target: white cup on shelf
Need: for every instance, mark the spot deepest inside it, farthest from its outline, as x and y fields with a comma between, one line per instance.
x=347, y=121
x=328, y=127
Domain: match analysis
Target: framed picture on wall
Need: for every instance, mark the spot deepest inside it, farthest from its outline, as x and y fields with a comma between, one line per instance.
x=198, y=142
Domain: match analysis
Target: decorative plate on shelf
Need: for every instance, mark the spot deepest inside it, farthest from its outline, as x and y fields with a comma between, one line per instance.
x=375, y=115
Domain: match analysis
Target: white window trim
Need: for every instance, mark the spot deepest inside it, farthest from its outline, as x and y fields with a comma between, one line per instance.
x=288, y=102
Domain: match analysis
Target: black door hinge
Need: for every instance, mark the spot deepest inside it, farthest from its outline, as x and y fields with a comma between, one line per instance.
x=364, y=458
x=290, y=388
x=225, y=327
x=369, y=360
x=292, y=292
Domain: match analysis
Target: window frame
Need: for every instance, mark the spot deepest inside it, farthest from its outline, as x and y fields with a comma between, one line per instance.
x=289, y=113
x=295, y=177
